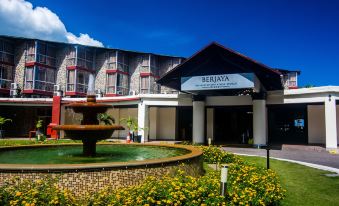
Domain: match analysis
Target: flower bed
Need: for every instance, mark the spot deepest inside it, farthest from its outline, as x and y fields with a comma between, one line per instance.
x=247, y=185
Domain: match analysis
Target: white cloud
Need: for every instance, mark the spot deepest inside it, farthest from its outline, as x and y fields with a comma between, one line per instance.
x=19, y=18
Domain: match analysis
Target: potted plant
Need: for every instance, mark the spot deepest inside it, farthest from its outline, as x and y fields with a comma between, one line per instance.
x=3, y=120
x=39, y=133
x=106, y=119
x=131, y=124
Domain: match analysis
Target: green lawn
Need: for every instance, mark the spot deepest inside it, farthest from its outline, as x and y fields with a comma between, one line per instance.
x=304, y=185
x=7, y=142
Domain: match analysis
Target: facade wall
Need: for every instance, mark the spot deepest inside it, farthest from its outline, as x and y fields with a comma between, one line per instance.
x=61, y=55
x=19, y=60
x=166, y=123
x=100, y=62
x=100, y=66
x=316, y=124
x=134, y=72
x=120, y=113
x=162, y=123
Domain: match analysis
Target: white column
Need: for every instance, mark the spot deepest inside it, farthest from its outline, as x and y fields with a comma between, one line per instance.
x=198, y=122
x=143, y=122
x=259, y=122
x=330, y=123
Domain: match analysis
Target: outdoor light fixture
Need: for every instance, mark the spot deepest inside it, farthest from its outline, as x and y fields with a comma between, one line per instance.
x=209, y=141
x=329, y=97
x=223, y=180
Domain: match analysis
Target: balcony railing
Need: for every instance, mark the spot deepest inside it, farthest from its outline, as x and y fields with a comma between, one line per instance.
x=39, y=85
x=80, y=63
x=42, y=59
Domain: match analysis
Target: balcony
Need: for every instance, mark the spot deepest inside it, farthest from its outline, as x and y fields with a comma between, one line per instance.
x=41, y=54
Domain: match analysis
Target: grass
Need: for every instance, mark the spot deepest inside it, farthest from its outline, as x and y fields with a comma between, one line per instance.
x=304, y=185
x=7, y=142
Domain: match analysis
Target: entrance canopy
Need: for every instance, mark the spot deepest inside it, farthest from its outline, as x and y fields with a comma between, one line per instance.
x=216, y=70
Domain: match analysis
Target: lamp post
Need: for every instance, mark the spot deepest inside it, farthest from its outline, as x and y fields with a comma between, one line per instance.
x=223, y=180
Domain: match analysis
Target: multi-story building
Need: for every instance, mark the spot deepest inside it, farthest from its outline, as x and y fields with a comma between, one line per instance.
x=34, y=67
x=217, y=93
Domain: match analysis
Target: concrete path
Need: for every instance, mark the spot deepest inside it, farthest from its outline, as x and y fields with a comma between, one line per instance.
x=319, y=157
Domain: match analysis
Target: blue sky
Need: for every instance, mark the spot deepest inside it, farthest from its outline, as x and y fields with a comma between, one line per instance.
x=285, y=34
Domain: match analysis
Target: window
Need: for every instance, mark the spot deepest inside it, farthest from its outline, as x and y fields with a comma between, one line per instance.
x=70, y=81
x=117, y=83
x=6, y=51
x=44, y=79
x=29, y=78
x=39, y=78
x=82, y=81
x=46, y=54
x=6, y=76
x=110, y=83
x=80, y=56
x=30, y=51
x=144, y=85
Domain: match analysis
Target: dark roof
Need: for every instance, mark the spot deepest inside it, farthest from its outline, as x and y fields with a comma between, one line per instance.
x=94, y=47
x=217, y=59
x=285, y=71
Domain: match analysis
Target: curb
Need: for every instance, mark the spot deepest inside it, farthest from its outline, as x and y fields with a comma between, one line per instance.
x=316, y=166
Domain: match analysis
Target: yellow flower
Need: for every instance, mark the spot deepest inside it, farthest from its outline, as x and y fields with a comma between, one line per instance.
x=18, y=194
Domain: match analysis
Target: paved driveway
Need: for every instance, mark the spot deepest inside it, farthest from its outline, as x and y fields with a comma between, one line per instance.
x=315, y=157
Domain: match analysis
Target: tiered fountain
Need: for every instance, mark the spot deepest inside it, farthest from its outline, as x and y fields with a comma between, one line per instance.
x=89, y=131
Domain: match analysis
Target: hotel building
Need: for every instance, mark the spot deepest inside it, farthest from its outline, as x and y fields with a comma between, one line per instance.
x=217, y=93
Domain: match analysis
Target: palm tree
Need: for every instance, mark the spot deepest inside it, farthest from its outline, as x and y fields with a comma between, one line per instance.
x=3, y=120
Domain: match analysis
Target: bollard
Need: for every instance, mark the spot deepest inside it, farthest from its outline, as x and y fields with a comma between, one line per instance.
x=268, y=157
x=209, y=141
x=223, y=180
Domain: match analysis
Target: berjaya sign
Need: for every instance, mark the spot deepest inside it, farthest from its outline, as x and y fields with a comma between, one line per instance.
x=221, y=81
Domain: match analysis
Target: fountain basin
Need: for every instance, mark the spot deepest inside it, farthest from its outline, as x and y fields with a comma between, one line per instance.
x=91, y=177
x=95, y=132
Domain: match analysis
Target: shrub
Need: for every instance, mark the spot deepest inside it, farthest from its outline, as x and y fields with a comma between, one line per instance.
x=215, y=155
x=31, y=193
x=178, y=190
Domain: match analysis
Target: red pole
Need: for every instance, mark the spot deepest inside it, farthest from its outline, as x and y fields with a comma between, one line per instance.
x=56, y=113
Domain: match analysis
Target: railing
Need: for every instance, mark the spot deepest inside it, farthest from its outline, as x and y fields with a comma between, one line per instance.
x=80, y=62
x=44, y=86
x=110, y=90
x=122, y=90
x=121, y=67
x=5, y=83
x=82, y=88
x=39, y=85
x=28, y=85
x=42, y=59
x=46, y=60
x=70, y=88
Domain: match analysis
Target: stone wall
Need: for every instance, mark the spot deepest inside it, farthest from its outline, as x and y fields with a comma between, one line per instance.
x=134, y=71
x=61, y=60
x=100, y=71
x=19, y=61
